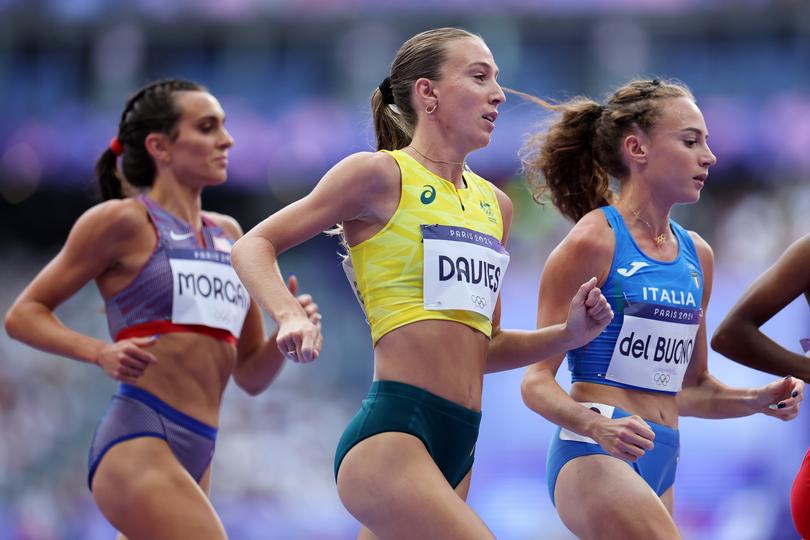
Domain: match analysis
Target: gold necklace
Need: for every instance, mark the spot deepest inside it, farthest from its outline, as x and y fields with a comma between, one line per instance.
x=660, y=239
x=435, y=160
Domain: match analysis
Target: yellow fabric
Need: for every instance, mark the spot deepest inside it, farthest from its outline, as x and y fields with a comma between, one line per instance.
x=389, y=266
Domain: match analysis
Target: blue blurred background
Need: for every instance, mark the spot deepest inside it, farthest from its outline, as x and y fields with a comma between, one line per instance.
x=294, y=77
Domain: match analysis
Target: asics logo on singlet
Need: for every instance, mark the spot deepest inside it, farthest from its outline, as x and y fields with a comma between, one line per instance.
x=177, y=237
x=429, y=195
x=635, y=266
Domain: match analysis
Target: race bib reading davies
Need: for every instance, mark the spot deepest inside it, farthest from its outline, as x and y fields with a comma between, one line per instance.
x=463, y=269
x=206, y=290
x=654, y=346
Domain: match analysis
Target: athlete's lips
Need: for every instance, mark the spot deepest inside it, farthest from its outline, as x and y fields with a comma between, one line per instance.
x=491, y=116
x=701, y=177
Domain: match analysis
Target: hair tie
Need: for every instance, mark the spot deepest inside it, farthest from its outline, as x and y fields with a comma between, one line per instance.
x=386, y=91
x=116, y=146
x=650, y=90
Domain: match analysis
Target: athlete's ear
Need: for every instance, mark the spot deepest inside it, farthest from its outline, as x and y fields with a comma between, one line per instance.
x=158, y=144
x=424, y=95
x=635, y=147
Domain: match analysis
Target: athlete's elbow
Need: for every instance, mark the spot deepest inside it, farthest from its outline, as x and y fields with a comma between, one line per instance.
x=529, y=389
x=723, y=340
x=13, y=322
x=239, y=253
x=250, y=384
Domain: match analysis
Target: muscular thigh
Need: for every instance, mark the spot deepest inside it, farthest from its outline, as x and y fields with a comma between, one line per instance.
x=391, y=485
x=597, y=489
x=144, y=492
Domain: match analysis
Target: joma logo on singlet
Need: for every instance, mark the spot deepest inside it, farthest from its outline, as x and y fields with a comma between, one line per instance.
x=635, y=266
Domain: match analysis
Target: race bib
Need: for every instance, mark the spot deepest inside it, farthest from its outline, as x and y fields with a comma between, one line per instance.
x=805, y=346
x=348, y=269
x=206, y=290
x=463, y=269
x=654, y=346
x=600, y=408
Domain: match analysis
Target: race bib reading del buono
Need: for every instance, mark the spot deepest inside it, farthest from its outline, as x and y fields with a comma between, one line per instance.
x=463, y=269
x=654, y=346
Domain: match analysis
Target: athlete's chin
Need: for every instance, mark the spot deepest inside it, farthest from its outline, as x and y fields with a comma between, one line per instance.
x=482, y=142
x=689, y=198
x=218, y=179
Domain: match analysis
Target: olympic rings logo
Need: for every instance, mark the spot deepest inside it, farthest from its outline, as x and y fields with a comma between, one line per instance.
x=661, y=379
x=224, y=317
x=478, y=301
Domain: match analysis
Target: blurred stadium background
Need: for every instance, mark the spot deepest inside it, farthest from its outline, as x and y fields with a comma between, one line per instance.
x=294, y=77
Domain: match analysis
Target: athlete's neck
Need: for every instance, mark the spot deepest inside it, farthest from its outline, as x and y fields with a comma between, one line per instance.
x=181, y=201
x=441, y=160
x=650, y=214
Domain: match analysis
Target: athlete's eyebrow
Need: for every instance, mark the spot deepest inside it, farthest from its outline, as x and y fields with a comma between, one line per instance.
x=696, y=131
x=486, y=65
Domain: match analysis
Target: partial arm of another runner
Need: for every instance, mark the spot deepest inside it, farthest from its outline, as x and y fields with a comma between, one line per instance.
x=739, y=336
x=706, y=397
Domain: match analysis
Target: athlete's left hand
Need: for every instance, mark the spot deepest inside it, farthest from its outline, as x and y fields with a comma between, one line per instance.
x=782, y=398
x=588, y=315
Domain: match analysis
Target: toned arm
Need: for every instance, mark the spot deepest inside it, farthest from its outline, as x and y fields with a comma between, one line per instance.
x=347, y=192
x=96, y=243
x=586, y=252
x=739, y=336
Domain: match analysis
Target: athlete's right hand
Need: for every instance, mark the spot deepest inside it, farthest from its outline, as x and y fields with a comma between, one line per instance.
x=588, y=314
x=299, y=337
x=626, y=438
x=126, y=360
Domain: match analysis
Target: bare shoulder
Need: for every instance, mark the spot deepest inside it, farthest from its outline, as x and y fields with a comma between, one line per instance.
x=116, y=218
x=226, y=223
x=586, y=251
x=704, y=250
x=800, y=248
x=791, y=267
x=369, y=171
x=591, y=238
x=362, y=186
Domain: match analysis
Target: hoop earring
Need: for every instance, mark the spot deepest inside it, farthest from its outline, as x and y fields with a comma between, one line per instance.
x=431, y=108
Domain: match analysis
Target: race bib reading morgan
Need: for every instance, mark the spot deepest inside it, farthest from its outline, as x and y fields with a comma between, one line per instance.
x=654, y=346
x=207, y=290
x=463, y=269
